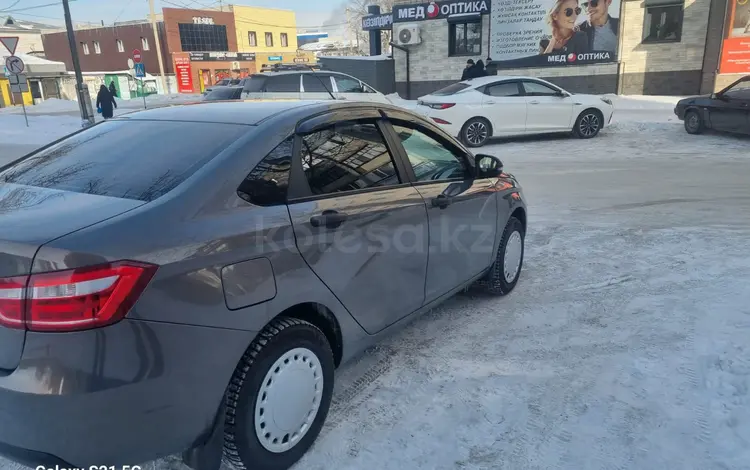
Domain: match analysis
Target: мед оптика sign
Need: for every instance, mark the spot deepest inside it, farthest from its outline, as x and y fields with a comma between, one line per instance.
x=438, y=10
x=549, y=33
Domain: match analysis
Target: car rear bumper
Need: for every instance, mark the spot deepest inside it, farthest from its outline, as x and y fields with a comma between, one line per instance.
x=121, y=395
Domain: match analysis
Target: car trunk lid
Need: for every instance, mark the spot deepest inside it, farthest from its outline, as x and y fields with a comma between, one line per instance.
x=29, y=218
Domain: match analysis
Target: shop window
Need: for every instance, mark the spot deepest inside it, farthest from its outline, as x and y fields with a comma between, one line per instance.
x=203, y=37
x=97, y=47
x=465, y=39
x=252, y=38
x=144, y=44
x=269, y=39
x=85, y=48
x=120, y=46
x=662, y=21
x=284, y=40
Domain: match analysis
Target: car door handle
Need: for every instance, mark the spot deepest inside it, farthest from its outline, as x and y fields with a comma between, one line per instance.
x=328, y=219
x=442, y=201
x=490, y=102
x=533, y=102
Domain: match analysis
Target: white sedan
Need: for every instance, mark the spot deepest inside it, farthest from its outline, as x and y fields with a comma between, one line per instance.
x=496, y=106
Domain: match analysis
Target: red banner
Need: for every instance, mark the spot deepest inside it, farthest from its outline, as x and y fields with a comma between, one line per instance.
x=182, y=72
x=735, y=52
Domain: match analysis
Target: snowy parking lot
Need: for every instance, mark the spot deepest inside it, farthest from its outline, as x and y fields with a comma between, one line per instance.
x=625, y=344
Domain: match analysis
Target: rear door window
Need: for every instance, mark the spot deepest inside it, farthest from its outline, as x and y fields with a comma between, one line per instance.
x=140, y=160
x=283, y=84
x=317, y=83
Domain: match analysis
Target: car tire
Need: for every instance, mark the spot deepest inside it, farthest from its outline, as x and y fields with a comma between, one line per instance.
x=476, y=132
x=503, y=277
x=588, y=124
x=300, y=402
x=693, y=122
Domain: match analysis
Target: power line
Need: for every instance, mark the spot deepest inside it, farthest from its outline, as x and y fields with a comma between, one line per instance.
x=33, y=8
x=11, y=5
x=122, y=11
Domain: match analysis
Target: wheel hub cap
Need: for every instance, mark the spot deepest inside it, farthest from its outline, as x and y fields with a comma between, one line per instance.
x=513, y=250
x=288, y=400
x=589, y=125
x=693, y=121
x=476, y=133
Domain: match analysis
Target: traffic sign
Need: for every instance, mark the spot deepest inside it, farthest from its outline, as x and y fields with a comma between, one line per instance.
x=140, y=70
x=136, y=56
x=10, y=43
x=15, y=65
x=18, y=83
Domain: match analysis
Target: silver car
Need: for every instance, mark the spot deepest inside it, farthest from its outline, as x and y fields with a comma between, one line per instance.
x=309, y=85
x=187, y=279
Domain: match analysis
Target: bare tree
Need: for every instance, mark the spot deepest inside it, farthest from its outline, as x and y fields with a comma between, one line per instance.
x=356, y=10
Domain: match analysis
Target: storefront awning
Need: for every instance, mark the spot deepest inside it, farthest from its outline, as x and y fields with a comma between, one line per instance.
x=38, y=67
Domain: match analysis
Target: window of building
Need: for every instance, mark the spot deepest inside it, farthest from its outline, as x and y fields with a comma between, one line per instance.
x=85, y=48
x=252, y=38
x=97, y=47
x=203, y=37
x=120, y=46
x=269, y=39
x=662, y=21
x=465, y=38
x=144, y=44
x=267, y=184
x=347, y=157
x=284, y=40
x=431, y=160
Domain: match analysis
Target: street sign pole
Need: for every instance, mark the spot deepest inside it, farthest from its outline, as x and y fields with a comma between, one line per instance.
x=23, y=105
x=82, y=90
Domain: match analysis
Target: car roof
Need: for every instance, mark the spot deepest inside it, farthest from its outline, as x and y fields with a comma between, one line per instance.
x=288, y=72
x=497, y=78
x=245, y=112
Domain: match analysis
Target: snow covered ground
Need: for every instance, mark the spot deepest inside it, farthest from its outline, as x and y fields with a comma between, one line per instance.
x=624, y=346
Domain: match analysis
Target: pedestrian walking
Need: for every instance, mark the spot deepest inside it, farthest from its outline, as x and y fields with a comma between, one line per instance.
x=105, y=101
x=113, y=89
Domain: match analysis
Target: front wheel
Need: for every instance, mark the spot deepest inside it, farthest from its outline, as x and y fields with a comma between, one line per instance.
x=588, y=124
x=476, y=132
x=693, y=122
x=279, y=396
x=505, y=271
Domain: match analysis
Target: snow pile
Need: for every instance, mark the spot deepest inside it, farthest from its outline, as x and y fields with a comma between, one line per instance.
x=41, y=130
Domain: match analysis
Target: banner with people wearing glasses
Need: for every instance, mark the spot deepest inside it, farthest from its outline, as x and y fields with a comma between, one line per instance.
x=549, y=33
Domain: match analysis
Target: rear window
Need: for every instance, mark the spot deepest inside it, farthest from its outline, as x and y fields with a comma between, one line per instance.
x=224, y=93
x=140, y=160
x=451, y=89
x=255, y=84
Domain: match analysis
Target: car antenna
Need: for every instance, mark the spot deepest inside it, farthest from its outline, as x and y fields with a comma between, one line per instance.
x=321, y=81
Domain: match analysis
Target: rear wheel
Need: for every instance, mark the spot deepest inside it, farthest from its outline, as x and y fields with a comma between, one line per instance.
x=279, y=396
x=505, y=271
x=693, y=122
x=476, y=132
x=588, y=124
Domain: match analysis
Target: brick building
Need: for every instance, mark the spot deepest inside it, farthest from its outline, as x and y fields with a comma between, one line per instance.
x=664, y=47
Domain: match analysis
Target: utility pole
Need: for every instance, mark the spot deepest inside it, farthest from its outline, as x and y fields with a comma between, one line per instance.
x=82, y=90
x=158, y=47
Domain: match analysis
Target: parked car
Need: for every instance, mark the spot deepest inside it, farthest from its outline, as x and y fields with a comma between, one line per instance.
x=224, y=93
x=223, y=83
x=727, y=110
x=476, y=110
x=310, y=85
x=203, y=269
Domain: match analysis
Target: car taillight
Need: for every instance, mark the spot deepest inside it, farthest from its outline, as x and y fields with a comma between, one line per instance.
x=441, y=105
x=75, y=299
x=440, y=121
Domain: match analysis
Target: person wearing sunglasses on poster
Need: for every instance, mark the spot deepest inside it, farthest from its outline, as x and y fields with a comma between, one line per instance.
x=600, y=29
x=565, y=38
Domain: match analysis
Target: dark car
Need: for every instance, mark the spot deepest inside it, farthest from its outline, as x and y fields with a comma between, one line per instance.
x=224, y=93
x=727, y=110
x=186, y=279
x=223, y=83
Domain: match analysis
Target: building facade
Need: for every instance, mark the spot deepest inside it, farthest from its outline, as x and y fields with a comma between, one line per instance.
x=270, y=34
x=657, y=47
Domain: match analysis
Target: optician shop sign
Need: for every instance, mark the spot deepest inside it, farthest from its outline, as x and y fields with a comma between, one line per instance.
x=439, y=10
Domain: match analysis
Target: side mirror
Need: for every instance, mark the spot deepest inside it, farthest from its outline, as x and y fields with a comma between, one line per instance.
x=721, y=96
x=488, y=166
x=562, y=94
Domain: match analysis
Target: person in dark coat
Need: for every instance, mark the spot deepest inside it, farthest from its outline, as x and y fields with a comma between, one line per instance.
x=105, y=101
x=113, y=89
x=469, y=66
x=480, y=70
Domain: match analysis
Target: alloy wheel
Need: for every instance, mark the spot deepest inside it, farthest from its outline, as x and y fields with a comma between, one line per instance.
x=589, y=125
x=288, y=400
x=476, y=133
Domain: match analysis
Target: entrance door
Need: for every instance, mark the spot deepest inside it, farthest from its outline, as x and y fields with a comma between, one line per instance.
x=546, y=110
x=359, y=226
x=462, y=211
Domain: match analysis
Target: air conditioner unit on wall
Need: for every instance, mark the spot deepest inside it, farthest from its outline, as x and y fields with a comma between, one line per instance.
x=408, y=34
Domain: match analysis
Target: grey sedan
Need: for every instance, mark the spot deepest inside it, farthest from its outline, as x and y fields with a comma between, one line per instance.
x=186, y=279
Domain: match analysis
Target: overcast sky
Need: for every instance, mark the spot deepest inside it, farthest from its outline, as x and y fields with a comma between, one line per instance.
x=109, y=11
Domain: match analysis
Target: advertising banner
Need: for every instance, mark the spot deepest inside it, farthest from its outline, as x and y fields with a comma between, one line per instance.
x=221, y=56
x=439, y=10
x=735, y=52
x=550, y=33
x=182, y=72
